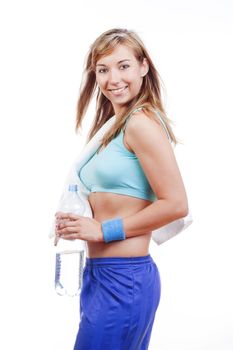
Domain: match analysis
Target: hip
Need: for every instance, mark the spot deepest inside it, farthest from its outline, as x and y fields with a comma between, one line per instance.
x=124, y=280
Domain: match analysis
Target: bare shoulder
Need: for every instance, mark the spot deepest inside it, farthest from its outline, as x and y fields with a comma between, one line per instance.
x=140, y=118
x=144, y=132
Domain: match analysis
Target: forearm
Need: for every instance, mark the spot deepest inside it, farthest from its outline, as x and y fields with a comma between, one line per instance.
x=159, y=213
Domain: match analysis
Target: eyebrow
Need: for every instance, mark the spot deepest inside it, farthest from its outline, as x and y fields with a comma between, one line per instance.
x=101, y=64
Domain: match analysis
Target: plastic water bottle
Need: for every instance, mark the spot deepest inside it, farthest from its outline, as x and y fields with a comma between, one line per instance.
x=70, y=254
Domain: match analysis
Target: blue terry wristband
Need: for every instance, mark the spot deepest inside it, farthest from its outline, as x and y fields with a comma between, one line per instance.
x=113, y=230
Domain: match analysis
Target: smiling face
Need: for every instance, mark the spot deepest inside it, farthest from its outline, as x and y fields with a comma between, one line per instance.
x=119, y=76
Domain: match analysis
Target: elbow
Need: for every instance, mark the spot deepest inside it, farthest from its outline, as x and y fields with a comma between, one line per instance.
x=181, y=209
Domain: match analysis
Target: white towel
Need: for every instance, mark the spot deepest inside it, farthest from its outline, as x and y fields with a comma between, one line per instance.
x=159, y=235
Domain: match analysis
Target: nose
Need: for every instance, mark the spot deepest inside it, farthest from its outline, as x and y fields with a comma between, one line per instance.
x=114, y=76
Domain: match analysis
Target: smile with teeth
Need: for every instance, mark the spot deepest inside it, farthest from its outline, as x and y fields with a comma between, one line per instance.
x=119, y=90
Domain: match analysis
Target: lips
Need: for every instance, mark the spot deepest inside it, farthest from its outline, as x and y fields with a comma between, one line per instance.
x=118, y=91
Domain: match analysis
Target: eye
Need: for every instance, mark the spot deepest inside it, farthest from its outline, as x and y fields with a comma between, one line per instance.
x=102, y=70
x=124, y=66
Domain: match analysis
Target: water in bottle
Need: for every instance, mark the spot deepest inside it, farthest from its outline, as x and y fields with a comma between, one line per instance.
x=70, y=254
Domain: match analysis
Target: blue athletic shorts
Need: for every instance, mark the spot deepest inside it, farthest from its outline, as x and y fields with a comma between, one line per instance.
x=118, y=302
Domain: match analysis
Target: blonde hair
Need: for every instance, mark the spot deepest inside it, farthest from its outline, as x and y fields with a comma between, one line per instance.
x=149, y=97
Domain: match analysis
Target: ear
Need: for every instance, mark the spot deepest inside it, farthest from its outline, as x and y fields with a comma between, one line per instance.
x=144, y=67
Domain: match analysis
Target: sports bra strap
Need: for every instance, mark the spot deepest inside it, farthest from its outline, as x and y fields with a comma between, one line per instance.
x=163, y=124
x=130, y=115
x=158, y=115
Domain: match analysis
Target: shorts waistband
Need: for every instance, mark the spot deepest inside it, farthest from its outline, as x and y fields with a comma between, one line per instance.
x=134, y=260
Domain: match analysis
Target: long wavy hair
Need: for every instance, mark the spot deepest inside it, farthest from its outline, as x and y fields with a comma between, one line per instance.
x=149, y=96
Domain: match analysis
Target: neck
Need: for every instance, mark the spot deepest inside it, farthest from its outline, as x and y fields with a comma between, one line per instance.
x=118, y=112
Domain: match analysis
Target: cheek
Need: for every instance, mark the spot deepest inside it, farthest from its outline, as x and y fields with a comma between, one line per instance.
x=102, y=85
x=101, y=81
x=136, y=83
x=134, y=78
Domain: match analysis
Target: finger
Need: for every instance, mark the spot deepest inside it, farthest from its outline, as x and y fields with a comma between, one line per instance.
x=58, y=214
x=61, y=215
x=67, y=223
x=67, y=230
x=56, y=239
x=68, y=216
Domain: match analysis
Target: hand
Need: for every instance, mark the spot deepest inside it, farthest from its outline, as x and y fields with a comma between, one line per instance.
x=70, y=226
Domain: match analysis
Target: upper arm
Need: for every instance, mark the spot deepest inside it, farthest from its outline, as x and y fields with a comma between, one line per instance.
x=147, y=139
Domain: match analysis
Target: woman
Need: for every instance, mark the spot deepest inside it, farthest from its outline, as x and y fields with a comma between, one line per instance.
x=135, y=187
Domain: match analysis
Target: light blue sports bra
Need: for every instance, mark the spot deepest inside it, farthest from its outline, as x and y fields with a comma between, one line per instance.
x=117, y=170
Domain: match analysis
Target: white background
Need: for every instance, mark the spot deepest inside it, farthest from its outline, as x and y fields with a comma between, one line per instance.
x=43, y=47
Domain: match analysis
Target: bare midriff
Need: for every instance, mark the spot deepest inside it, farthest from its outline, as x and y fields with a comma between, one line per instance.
x=106, y=206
